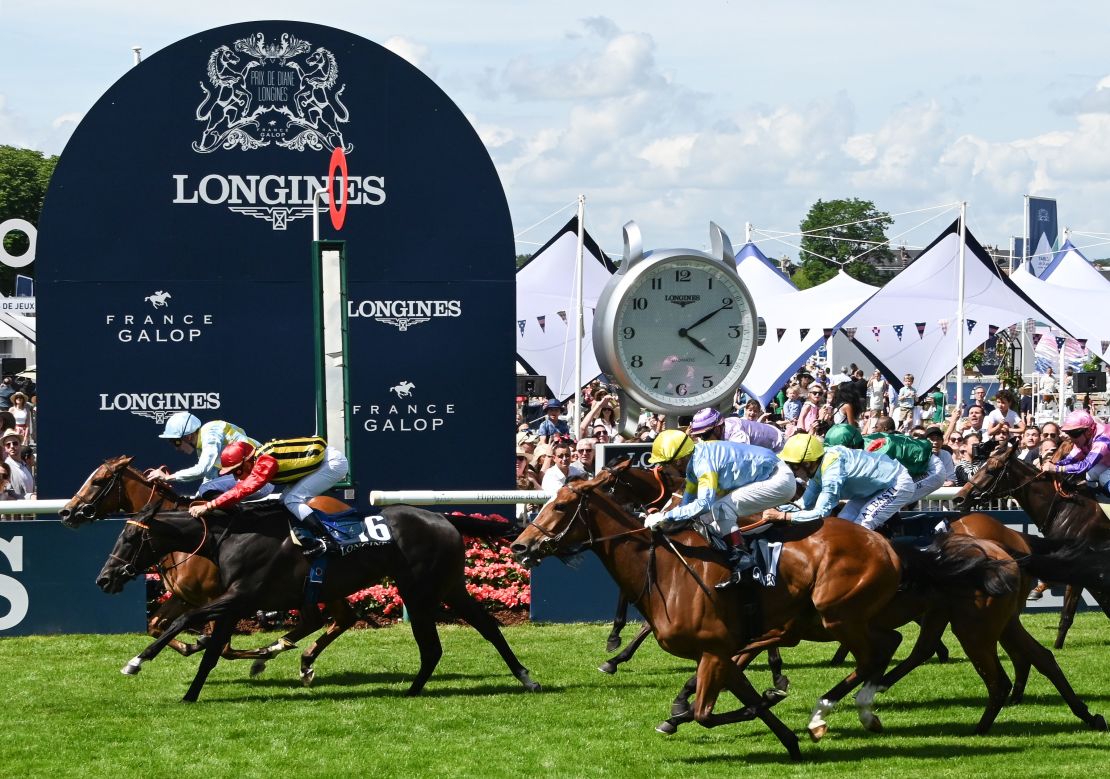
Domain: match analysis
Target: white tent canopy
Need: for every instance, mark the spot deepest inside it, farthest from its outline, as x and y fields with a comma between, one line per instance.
x=908, y=326
x=797, y=323
x=546, y=305
x=1080, y=311
x=760, y=275
x=1069, y=268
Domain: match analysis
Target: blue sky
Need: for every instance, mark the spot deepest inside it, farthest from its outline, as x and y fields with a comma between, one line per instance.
x=676, y=114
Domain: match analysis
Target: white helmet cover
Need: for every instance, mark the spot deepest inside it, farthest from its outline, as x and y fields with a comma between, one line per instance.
x=180, y=425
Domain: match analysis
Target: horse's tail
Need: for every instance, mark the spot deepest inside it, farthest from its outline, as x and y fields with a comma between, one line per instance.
x=492, y=526
x=954, y=560
x=1068, y=561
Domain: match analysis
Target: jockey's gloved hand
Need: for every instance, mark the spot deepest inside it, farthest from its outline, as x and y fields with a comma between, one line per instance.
x=654, y=520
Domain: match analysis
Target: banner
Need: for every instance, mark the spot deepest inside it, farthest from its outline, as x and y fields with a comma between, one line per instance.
x=1040, y=213
x=174, y=260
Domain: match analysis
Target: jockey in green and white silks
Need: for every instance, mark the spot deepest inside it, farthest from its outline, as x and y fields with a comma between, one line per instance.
x=208, y=440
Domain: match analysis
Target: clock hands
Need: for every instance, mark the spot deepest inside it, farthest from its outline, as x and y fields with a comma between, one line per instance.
x=695, y=342
x=705, y=318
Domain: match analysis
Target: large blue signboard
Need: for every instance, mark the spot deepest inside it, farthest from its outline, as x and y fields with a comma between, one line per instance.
x=175, y=261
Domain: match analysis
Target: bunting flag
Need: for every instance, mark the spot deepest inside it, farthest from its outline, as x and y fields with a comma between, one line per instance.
x=876, y=331
x=563, y=316
x=1036, y=338
x=1082, y=343
x=1105, y=345
x=1060, y=341
x=943, y=326
x=828, y=331
x=971, y=325
x=991, y=330
x=898, y=331
x=849, y=331
x=780, y=332
x=521, y=322
x=543, y=323
x=803, y=333
x=920, y=329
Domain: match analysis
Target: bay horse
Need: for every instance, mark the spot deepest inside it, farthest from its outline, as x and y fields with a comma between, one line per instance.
x=116, y=487
x=835, y=578
x=980, y=620
x=1058, y=509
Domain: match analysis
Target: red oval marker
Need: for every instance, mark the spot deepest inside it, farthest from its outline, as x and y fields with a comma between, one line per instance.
x=338, y=162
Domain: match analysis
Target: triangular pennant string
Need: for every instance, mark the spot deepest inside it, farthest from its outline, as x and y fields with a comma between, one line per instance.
x=562, y=315
x=1060, y=341
x=828, y=331
x=920, y=329
x=1082, y=343
x=543, y=323
x=849, y=331
x=1036, y=338
x=1105, y=345
x=898, y=331
x=971, y=325
x=521, y=323
x=992, y=330
x=943, y=326
x=803, y=333
x=876, y=331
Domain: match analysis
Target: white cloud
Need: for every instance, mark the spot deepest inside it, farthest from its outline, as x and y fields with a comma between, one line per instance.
x=415, y=53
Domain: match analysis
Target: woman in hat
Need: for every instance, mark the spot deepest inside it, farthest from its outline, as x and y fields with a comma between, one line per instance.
x=21, y=412
x=709, y=425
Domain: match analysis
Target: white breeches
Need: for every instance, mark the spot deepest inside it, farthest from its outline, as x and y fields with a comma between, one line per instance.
x=752, y=498
x=331, y=472
x=874, y=510
x=929, y=481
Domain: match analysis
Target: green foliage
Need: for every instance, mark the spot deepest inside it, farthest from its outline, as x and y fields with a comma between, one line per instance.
x=1093, y=363
x=24, y=177
x=521, y=259
x=843, y=234
x=68, y=712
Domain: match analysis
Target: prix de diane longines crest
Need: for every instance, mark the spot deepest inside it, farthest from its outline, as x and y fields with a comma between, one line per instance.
x=282, y=92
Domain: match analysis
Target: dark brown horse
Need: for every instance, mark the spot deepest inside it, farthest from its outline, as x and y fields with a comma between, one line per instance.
x=116, y=487
x=980, y=620
x=835, y=578
x=1060, y=510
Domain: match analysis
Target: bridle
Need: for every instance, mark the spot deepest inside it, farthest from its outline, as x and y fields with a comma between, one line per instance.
x=129, y=569
x=998, y=477
x=90, y=507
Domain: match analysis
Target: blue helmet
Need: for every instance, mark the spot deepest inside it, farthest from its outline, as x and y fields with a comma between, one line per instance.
x=180, y=425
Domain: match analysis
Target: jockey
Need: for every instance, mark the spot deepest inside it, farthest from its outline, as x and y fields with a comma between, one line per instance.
x=1090, y=452
x=189, y=435
x=875, y=486
x=724, y=481
x=915, y=454
x=709, y=425
x=310, y=462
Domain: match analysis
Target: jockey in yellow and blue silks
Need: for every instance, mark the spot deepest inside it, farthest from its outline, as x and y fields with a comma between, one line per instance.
x=724, y=481
x=208, y=440
x=874, y=485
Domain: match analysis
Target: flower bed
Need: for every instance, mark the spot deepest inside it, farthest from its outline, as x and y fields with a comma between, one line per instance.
x=492, y=576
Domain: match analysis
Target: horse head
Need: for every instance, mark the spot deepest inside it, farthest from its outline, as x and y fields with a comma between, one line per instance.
x=100, y=495
x=562, y=527
x=133, y=553
x=999, y=476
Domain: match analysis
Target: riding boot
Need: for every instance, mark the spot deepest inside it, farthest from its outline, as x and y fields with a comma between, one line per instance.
x=311, y=544
x=739, y=558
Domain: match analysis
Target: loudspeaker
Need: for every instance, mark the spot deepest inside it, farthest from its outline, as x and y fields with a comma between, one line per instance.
x=528, y=385
x=9, y=366
x=1093, y=381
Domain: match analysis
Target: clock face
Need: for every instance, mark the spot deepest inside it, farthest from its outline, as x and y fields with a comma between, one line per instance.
x=685, y=332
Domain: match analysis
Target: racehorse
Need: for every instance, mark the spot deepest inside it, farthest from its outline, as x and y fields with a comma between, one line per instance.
x=193, y=580
x=980, y=620
x=835, y=578
x=1059, y=510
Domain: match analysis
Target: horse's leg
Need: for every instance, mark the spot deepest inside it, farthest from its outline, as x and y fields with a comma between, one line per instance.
x=610, y=665
x=743, y=689
x=1019, y=658
x=886, y=644
x=172, y=608
x=781, y=681
x=194, y=619
x=872, y=649
x=982, y=650
x=221, y=634
x=619, y=621
x=1015, y=638
x=343, y=617
x=932, y=628
x=1067, y=614
x=464, y=604
x=840, y=655
x=681, y=712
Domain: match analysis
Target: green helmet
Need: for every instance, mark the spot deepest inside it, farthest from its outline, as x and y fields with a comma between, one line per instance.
x=844, y=435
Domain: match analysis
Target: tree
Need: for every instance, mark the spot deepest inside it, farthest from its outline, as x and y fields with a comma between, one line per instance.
x=837, y=232
x=24, y=177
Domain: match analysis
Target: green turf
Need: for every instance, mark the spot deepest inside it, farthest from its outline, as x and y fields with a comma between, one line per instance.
x=67, y=711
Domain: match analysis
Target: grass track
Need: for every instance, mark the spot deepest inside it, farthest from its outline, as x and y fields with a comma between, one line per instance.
x=67, y=711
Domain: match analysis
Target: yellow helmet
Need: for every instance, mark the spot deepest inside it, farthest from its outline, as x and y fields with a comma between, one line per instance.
x=802, y=448
x=670, y=445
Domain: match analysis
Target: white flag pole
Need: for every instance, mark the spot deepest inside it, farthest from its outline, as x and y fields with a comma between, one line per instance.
x=579, y=319
x=960, y=324
x=1060, y=376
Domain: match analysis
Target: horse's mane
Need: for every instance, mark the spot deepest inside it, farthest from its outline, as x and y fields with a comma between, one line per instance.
x=214, y=72
x=328, y=81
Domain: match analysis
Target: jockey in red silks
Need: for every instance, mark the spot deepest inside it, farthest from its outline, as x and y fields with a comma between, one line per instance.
x=1090, y=452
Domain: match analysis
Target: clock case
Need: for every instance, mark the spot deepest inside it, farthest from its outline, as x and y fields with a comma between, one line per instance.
x=635, y=264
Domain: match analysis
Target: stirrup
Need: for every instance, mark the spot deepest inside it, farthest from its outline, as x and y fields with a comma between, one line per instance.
x=734, y=578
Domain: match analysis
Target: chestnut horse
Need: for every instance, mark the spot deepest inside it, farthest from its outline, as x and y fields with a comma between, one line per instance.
x=115, y=487
x=835, y=578
x=980, y=620
x=1058, y=509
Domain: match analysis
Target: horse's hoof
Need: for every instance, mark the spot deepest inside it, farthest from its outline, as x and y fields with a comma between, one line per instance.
x=257, y=667
x=187, y=699
x=873, y=725
x=818, y=732
x=666, y=728
x=774, y=695
x=608, y=667
x=1098, y=723
x=1017, y=698
x=131, y=669
x=613, y=644
x=782, y=684
x=533, y=687
x=307, y=676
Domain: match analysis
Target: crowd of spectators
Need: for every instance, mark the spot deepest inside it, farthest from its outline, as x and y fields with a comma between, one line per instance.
x=18, y=424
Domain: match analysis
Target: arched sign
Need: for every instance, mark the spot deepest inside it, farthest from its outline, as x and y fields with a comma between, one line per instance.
x=175, y=267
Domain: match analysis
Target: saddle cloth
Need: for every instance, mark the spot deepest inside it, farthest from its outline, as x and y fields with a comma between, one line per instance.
x=351, y=530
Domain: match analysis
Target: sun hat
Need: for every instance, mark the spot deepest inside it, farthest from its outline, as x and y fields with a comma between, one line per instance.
x=706, y=419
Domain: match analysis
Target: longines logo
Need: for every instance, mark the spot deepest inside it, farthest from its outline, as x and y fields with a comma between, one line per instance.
x=682, y=300
x=409, y=416
x=403, y=314
x=162, y=327
x=280, y=92
x=159, y=406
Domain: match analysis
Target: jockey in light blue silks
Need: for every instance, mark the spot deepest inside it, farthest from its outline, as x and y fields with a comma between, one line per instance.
x=209, y=439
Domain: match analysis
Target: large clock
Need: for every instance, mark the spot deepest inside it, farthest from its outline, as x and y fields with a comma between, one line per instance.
x=675, y=328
